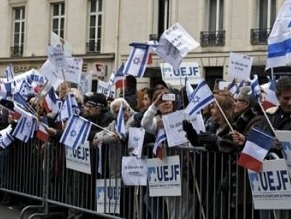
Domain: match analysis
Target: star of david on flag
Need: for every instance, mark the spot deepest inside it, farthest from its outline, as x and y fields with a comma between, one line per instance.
x=201, y=97
x=25, y=128
x=137, y=60
x=76, y=132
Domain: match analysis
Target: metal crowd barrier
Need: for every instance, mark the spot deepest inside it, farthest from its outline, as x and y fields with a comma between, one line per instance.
x=213, y=186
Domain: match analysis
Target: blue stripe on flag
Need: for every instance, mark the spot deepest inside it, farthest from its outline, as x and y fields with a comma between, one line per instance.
x=80, y=134
x=260, y=138
x=193, y=111
x=279, y=49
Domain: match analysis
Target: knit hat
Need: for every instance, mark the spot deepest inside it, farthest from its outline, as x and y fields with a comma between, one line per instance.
x=245, y=93
x=96, y=99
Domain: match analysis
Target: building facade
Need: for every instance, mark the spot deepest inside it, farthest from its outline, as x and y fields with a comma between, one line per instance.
x=100, y=31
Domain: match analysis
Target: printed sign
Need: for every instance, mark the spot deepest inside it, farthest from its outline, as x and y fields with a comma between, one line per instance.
x=173, y=128
x=240, y=66
x=164, y=176
x=134, y=171
x=186, y=69
x=271, y=188
x=79, y=158
x=108, y=196
x=285, y=139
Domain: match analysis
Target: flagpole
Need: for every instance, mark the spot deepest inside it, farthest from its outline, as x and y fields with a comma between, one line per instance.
x=224, y=116
x=267, y=118
x=104, y=129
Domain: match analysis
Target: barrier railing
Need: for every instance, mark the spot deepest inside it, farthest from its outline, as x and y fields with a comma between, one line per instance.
x=212, y=185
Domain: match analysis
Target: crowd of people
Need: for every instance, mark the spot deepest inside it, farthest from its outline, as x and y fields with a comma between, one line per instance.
x=145, y=108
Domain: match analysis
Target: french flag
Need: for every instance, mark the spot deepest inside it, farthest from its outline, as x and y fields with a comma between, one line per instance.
x=119, y=78
x=50, y=103
x=270, y=97
x=255, y=150
x=41, y=132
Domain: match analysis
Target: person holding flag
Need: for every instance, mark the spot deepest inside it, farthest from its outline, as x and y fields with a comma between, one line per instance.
x=115, y=138
x=278, y=118
x=152, y=123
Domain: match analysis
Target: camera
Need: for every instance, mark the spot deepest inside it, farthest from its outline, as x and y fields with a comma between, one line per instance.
x=168, y=97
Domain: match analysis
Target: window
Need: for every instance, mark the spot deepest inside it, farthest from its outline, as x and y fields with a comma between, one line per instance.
x=267, y=13
x=215, y=35
x=58, y=18
x=18, y=31
x=215, y=15
x=95, y=26
x=161, y=16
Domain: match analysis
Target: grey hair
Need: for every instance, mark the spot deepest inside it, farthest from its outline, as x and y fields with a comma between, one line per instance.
x=123, y=102
x=283, y=84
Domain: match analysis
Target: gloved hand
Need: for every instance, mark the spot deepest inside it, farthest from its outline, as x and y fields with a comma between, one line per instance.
x=191, y=134
x=209, y=139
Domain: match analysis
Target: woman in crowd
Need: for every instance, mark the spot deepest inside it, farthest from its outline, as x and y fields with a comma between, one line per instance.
x=152, y=122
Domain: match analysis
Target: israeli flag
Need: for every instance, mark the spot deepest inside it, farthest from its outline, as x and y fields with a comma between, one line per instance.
x=279, y=41
x=120, y=127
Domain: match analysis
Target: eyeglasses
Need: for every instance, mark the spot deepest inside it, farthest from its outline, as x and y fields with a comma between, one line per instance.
x=117, y=111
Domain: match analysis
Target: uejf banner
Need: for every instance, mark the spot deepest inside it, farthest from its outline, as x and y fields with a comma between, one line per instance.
x=187, y=69
x=271, y=188
x=108, y=196
x=164, y=176
x=79, y=158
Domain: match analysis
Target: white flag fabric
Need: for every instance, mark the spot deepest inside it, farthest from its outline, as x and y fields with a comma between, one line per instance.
x=76, y=131
x=201, y=97
x=174, y=44
x=279, y=46
x=137, y=60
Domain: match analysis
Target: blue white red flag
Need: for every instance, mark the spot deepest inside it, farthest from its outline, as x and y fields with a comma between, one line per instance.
x=120, y=127
x=51, y=101
x=271, y=96
x=255, y=150
x=76, y=132
x=279, y=41
x=201, y=97
x=137, y=60
x=119, y=78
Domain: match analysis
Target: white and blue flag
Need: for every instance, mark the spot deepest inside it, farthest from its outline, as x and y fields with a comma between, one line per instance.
x=255, y=87
x=160, y=138
x=279, y=41
x=201, y=97
x=25, y=128
x=76, y=132
x=137, y=60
